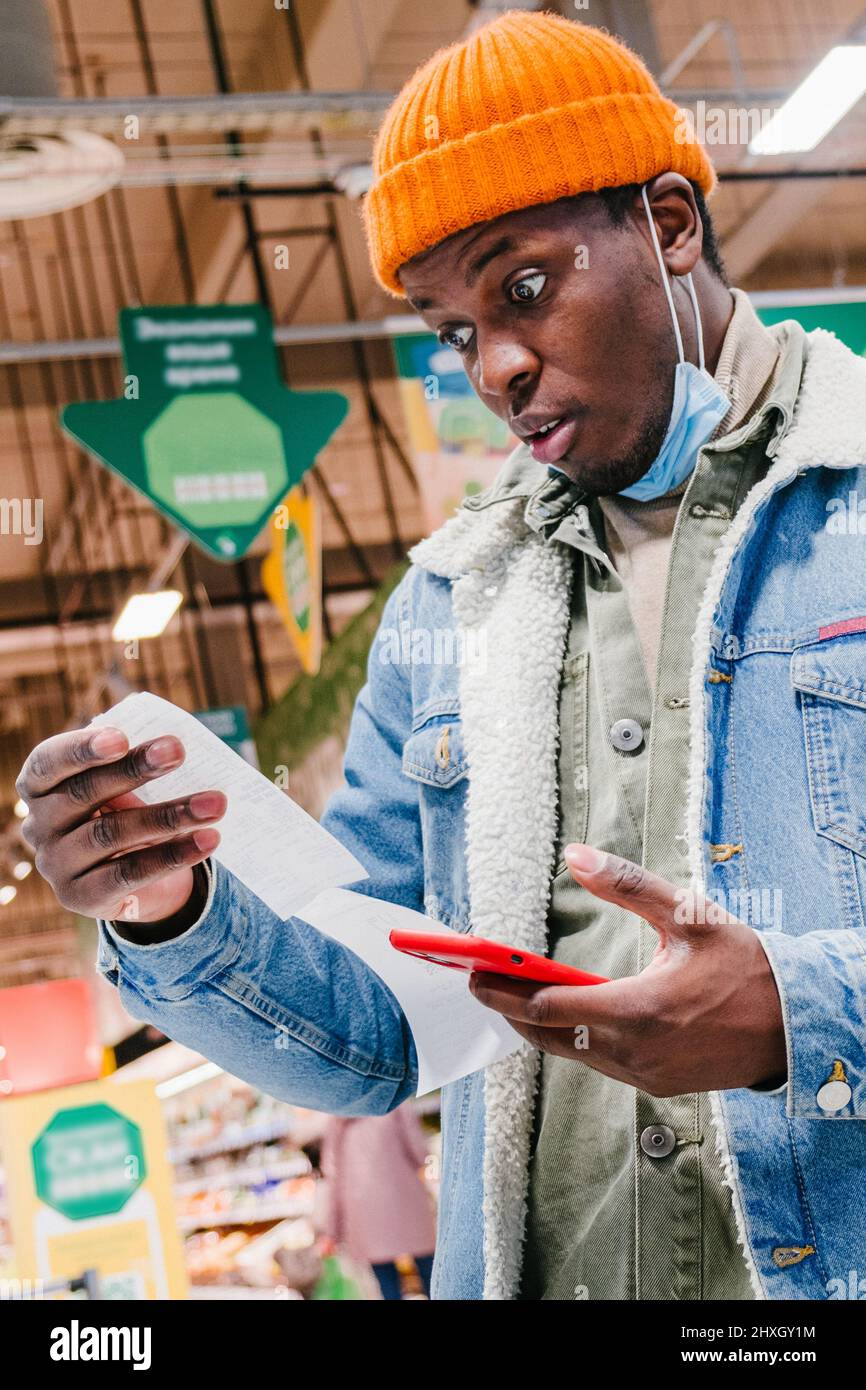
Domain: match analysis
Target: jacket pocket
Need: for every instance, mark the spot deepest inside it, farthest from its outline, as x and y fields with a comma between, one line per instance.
x=434, y=756
x=830, y=678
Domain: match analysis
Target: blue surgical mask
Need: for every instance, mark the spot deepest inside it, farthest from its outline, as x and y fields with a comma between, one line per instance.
x=699, y=402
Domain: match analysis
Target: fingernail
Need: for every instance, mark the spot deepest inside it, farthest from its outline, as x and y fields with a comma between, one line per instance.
x=163, y=753
x=108, y=743
x=206, y=805
x=206, y=840
x=584, y=858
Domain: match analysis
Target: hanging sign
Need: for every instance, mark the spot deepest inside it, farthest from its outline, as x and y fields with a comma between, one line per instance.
x=231, y=724
x=292, y=574
x=206, y=428
x=458, y=445
x=842, y=312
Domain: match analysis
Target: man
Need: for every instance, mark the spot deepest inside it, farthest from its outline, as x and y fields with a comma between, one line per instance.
x=655, y=771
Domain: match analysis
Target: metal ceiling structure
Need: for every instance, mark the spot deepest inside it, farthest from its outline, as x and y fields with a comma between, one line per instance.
x=247, y=113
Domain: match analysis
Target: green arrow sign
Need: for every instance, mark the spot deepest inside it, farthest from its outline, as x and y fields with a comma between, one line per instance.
x=88, y=1161
x=206, y=429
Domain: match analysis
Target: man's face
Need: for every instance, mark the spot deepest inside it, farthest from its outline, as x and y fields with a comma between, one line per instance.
x=559, y=316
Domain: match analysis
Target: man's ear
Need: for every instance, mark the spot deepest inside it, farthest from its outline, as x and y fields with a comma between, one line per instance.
x=677, y=220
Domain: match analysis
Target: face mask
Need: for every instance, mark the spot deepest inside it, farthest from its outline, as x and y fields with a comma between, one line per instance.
x=699, y=403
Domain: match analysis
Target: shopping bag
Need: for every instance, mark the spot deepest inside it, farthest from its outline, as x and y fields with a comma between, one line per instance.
x=334, y=1282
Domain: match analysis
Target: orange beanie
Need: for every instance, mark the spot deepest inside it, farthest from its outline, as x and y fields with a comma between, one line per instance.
x=530, y=108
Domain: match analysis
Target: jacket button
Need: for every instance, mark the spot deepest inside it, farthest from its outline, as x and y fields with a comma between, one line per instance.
x=658, y=1141
x=626, y=735
x=833, y=1095
x=836, y=1093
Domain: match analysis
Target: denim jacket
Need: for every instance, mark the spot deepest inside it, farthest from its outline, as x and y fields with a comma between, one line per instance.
x=450, y=803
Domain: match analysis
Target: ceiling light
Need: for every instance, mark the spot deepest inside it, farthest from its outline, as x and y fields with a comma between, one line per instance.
x=146, y=615
x=22, y=869
x=7, y=893
x=20, y=808
x=47, y=172
x=817, y=105
x=175, y=1084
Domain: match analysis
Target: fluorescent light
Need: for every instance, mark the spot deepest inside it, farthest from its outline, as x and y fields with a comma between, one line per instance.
x=146, y=615
x=175, y=1084
x=20, y=808
x=7, y=893
x=22, y=869
x=817, y=105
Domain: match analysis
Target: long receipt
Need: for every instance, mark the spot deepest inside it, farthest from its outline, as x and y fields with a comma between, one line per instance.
x=454, y=1034
x=298, y=869
x=266, y=839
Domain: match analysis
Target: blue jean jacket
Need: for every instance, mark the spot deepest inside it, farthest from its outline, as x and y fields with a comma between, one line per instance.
x=779, y=768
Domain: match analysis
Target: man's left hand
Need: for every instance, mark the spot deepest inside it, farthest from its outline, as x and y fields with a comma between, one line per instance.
x=704, y=1015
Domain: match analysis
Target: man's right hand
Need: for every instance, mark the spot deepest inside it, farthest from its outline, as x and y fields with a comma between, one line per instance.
x=103, y=851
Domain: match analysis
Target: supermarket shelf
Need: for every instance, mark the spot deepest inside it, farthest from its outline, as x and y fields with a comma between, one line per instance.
x=245, y=1216
x=240, y=1177
x=253, y=1134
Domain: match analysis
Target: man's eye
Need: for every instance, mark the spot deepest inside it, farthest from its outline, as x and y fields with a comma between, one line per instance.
x=527, y=290
x=457, y=338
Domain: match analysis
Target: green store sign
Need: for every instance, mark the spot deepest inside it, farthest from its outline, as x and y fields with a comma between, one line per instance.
x=231, y=724
x=206, y=429
x=88, y=1161
x=835, y=310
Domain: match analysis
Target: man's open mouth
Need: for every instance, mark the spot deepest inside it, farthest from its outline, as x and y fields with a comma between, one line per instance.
x=552, y=440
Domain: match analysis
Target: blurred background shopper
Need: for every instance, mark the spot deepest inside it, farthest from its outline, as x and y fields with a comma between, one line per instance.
x=377, y=1208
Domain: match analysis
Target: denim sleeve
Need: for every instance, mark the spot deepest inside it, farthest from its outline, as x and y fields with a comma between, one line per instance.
x=821, y=978
x=276, y=1002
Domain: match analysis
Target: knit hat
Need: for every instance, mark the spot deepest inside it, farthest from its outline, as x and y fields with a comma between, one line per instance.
x=531, y=108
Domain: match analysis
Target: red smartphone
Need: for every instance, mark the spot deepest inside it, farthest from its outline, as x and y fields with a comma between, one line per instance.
x=474, y=953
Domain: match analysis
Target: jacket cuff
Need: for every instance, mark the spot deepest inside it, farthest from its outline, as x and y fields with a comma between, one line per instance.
x=151, y=934
x=170, y=969
x=821, y=978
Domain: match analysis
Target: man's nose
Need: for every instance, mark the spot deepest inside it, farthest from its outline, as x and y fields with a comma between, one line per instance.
x=505, y=367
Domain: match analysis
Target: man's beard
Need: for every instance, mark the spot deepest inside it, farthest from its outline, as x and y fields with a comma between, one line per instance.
x=604, y=477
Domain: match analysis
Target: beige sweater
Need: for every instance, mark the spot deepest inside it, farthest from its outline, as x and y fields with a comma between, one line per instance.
x=639, y=534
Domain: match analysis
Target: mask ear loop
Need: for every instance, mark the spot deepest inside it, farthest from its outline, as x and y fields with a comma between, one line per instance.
x=699, y=328
x=667, y=288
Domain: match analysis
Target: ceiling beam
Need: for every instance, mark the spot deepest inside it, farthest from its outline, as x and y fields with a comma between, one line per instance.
x=772, y=219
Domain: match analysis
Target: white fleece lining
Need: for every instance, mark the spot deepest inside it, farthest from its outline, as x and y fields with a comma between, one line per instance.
x=516, y=586
x=520, y=596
